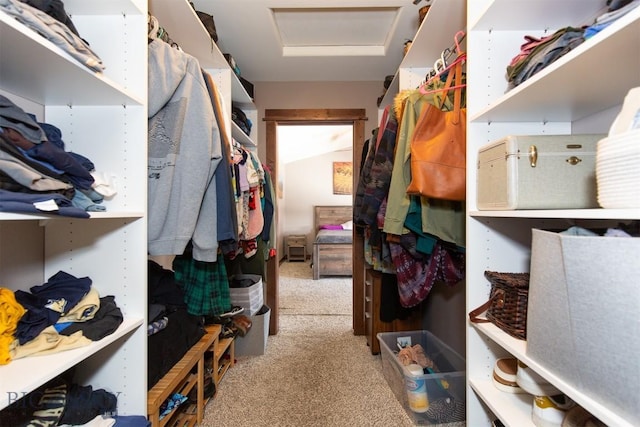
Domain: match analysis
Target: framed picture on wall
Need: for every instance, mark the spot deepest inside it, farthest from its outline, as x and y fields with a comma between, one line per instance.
x=342, y=177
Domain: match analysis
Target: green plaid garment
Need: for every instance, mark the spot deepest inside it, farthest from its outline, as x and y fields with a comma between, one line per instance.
x=205, y=285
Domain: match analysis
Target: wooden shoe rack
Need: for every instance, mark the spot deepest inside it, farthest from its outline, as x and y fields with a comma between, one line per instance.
x=223, y=355
x=181, y=379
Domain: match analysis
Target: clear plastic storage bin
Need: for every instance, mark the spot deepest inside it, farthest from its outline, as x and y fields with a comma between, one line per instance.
x=444, y=387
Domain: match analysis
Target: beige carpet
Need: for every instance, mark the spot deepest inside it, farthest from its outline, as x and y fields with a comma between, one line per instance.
x=315, y=372
x=301, y=295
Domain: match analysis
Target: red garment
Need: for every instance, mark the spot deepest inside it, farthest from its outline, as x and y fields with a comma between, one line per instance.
x=417, y=277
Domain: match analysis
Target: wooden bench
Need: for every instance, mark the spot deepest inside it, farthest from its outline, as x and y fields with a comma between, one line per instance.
x=180, y=379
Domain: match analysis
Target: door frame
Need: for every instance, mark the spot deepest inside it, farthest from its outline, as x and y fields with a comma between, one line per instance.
x=356, y=118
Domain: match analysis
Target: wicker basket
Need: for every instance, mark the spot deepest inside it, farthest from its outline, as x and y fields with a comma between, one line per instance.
x=507, y=305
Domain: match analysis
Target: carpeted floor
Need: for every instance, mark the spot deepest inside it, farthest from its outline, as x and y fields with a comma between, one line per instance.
x=301, y=295
x=314, y=372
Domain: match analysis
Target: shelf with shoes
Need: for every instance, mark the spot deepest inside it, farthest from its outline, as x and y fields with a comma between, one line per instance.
x=217, y=357
x=223, y=350
x=550, y=102
x=188, y=373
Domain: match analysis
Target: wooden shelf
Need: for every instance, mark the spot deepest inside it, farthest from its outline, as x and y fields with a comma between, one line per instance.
x=178, y=379
x=373, y=324
x=223, y=356
x=178, y=415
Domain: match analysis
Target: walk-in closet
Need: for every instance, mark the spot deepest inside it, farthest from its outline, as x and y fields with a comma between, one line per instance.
x=143, y=231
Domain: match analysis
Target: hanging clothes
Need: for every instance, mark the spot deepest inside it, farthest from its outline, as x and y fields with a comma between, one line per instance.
x=268, y=211
x=391, y=307
x=376, y=187
x=417, y=272
x=227, y=225
x=249, y=192
x=184, y=152
x=408, y=106
x=205, y=285
x=417, y=240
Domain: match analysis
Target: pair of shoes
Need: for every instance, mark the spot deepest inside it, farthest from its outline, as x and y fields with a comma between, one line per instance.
x=235, y=310
x=209, y=389
x=550, y=411
x=242, y=324
x=228, y=332
x=534, y=384
x=504, y=375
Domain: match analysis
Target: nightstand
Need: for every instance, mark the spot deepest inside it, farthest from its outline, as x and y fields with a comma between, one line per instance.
x=297, y=247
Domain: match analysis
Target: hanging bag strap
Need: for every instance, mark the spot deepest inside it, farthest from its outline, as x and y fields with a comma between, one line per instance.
x=474, y=314
x=455, y=74
x=457, y=95
x=446, y=87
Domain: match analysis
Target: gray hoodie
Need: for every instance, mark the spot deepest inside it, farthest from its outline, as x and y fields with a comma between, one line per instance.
x=184, y=152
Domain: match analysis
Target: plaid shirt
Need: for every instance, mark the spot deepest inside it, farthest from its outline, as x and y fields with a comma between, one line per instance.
x=205, y=285
x=375, y=186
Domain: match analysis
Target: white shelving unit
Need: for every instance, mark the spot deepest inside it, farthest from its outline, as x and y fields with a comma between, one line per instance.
x=564, y=98
x=102, y=116
x=185, y=28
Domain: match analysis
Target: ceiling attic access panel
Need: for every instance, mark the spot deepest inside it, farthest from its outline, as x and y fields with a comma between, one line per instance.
x=335, y=31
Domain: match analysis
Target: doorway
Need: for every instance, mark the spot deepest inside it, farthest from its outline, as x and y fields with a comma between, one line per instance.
x=355, y=118
x=308, y=157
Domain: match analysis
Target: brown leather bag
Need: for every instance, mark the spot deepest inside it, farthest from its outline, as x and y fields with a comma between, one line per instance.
x=438, y=147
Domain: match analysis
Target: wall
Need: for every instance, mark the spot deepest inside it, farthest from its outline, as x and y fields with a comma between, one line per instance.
x=308, y=183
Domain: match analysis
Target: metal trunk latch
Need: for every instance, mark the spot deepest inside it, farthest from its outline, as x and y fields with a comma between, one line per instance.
x=573, y=160
x=533, y=156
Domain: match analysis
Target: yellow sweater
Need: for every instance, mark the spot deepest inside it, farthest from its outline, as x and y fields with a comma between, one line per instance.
x=10, y=313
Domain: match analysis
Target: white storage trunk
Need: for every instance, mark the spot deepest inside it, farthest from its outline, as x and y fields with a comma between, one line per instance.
x=538, y=172
x=582, y=315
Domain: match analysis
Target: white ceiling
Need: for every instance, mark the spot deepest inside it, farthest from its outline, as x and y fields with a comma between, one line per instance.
x=314, y=40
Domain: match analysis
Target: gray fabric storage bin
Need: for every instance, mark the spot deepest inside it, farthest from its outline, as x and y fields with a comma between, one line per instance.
x=582, y=315
x=254, y=343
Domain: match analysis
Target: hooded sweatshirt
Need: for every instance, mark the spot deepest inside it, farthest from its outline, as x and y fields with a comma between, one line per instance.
x=184, y=152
